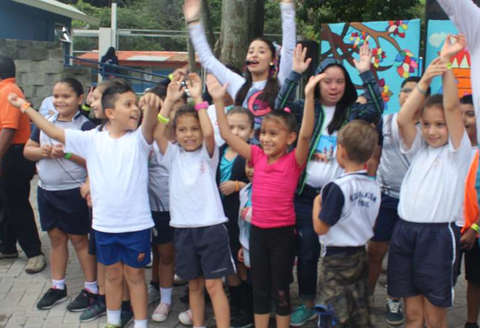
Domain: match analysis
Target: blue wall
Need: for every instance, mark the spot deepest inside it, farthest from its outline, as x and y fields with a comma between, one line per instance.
x=18, y=21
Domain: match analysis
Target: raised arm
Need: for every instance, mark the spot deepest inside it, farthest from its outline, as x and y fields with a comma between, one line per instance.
x=306, y=128
x=466, y=16
x=408, y=116
x=217, y=91
x=289, y=38
x=194, y=84
x=174, y=91
x=451, y=103
x=373, y=109
x=150, y=104
x=43, y=124
x=191, y=10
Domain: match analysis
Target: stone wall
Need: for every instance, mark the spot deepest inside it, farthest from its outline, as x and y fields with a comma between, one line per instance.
x=39, y=65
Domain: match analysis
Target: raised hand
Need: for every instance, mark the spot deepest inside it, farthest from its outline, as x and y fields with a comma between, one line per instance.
x=175, y=89
x=194, y=85
x=437, y=67
x=300, y=64
x=312, y=83
x=216, y=90
x=365, y=60
x=453, y=44
x=16, y=100
x=151, y=101
x=191, y=10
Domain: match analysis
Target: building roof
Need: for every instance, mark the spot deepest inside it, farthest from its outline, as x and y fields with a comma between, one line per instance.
x=143, y=58
x=59, y=8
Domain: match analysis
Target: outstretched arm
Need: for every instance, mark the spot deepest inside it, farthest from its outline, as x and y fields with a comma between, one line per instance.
x=150, y=104
x=191, y=10
x=451, y=104
x=289, y=38
x=217, y=92
x=43, y=124
x=306, y=129
x=408, y=116
x=194, y=84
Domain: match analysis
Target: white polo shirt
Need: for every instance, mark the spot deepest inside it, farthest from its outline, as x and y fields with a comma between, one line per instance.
x=433, y=188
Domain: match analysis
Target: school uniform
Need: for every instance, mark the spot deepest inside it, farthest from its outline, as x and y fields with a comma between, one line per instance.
x=424, y=243
x=60, y=204
x=350, y=205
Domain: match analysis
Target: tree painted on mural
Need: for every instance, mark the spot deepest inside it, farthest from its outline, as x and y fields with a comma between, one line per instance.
x=394, y=44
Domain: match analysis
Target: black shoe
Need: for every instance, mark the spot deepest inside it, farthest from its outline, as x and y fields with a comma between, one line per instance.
x=126, y=316
x=471, y=325
x=51, y=298
x=94, y=311
x=82, y=301
x=241, y=320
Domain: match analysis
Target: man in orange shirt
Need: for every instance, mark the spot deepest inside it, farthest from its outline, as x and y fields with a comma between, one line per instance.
x=18, y=222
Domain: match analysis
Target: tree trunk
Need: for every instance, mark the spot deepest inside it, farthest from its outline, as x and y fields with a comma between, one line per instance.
x=242, y=20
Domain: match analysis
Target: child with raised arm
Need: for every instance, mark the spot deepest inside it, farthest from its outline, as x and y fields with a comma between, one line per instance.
x=63, y=212
x=117, y=167
x=258, y=90
x=202, y=250
x=272, y=239
x=343, y=215
x=423, y=247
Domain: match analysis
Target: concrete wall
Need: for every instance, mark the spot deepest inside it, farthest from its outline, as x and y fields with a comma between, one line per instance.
x=39, y=65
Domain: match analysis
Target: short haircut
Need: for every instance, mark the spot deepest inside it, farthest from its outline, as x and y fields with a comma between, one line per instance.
x=467, y=100
x=7, y=67
x=244, y=111
x=435, y=100
x=111, y=93
x=187, y=109
x=287, y=118
x=102, y=86
x=74, y=84
x=359, y=138
x=414, y=79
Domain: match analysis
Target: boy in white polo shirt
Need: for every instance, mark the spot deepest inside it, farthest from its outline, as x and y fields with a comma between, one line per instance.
x=422, y=250
x=344, y=215
x=117, y=164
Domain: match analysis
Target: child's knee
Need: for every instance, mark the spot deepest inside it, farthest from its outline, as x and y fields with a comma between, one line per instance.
x=79, y=241
x=196, y=285
x=134, y=275
x=57, y=238
x=113, y=274
x=214, y=286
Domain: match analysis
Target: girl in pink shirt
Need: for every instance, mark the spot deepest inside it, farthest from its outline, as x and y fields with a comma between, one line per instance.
x=277, y=170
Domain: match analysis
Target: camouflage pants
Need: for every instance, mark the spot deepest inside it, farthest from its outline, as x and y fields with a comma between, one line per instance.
x=344, y=288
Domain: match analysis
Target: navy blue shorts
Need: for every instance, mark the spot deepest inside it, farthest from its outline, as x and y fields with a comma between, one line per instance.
x=421, y=261
x=65, y=210
x=203, y=252
x=162, y=233
x=130, y=248
x=386, y=219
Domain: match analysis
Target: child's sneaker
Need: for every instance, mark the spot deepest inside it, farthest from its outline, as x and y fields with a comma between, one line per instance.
x=185, y=318
x=394, y=315
x=94, y=311
x=52, y=297
x=161, y=312
x=82, y=301
x=301, y=315
x=153, y=294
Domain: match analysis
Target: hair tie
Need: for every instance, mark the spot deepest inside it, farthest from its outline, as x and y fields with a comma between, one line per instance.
x=288, y=110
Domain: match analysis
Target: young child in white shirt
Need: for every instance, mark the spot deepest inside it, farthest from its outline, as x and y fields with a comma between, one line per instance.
x=117, y=162
x=423, y=247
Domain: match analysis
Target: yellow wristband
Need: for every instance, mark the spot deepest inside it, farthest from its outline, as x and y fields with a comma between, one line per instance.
x=449, y=65
x=162, y=119
x=475, y=227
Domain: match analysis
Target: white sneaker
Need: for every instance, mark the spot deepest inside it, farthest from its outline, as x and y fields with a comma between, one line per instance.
x=153, y=294
x=185, y=318
x=161, y=312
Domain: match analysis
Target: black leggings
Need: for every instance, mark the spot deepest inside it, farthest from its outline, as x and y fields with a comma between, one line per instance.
x=272, y=252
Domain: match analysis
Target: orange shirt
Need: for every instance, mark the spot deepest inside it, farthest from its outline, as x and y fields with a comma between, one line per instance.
x=470, y=205
x=11, y=117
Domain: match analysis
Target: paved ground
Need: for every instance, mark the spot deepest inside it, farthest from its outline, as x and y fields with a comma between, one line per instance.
x=19, y=293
